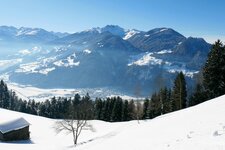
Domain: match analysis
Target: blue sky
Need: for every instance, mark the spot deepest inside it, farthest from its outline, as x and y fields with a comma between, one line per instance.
x=198, y=18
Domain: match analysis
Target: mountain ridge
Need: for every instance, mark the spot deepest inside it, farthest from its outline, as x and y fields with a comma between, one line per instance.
x=124, y=59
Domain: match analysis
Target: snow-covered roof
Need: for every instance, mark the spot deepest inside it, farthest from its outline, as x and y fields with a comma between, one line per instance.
x=13, y=125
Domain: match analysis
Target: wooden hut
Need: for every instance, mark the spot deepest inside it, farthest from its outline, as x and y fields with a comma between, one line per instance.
x=14, y=130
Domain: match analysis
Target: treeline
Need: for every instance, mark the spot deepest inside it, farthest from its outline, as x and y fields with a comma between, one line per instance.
x=211, y=85
x=112, y=109
x=166, y=100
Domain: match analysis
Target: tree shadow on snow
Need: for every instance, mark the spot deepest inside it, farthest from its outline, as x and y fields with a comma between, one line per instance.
x=108, y=135
x=18, y=142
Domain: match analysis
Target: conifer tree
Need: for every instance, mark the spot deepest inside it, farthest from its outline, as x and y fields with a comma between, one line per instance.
x=117, y=110
x=198, y=96
x=168, y=102
x=4, y=95
x=179, y=92
x=106, y=112
x=1, y=93
x=98, y=108
x=125, y=114
x=214, y=71
x=53, y=109
x=165, y=97
x=155, y=106
x=76, y=99
x=145, y=109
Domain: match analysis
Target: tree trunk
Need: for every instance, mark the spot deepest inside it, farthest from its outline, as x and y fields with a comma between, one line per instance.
x=74, y=138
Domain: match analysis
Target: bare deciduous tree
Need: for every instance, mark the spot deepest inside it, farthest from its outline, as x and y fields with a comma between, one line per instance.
x=73, y=126
x=138, y=110
x=138, y=106
x=77, y=119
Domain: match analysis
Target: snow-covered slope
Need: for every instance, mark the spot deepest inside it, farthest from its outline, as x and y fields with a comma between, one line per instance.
x=201, y=127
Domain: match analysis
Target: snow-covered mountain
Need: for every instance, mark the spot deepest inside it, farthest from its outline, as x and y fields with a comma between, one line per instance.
x=201, y=127
x=157, y=39
x=23, y=34
x=121, y=59
x=90, y=33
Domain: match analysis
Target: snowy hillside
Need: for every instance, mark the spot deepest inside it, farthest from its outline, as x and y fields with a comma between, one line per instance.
x=197, y=128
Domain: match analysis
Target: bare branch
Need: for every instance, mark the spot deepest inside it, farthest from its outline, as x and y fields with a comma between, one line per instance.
x=77, y=122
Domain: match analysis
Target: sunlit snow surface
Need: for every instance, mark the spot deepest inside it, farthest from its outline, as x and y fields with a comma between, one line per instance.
x=148, y=58
x=130, y=33
x=201, y=127
x=24, y=31
x=164, y=29
x=8, y=63
x=68, y=62
x=40, y=66
x=87, y=51
x=145, y=59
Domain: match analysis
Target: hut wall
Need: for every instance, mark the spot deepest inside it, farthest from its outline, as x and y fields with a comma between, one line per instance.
x=21, y=134
x=1, y=136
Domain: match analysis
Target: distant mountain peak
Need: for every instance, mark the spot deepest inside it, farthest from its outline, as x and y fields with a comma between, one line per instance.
x=196, y=39
x=156, y=39
x=25, y=34
x=131, y=33
x=27, y=31
x=191, y=45
x=114, y=29
x=160, y=30
x=95, y=29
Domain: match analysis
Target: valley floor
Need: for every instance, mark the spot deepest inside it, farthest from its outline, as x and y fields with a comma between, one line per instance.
x=201, y=127
x=27, y=92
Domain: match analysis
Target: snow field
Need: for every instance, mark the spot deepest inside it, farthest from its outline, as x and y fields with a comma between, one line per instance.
x=201, y=127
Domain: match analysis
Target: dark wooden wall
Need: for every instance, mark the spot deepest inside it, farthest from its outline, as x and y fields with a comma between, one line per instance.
x=1, y=136
x=21, y=134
